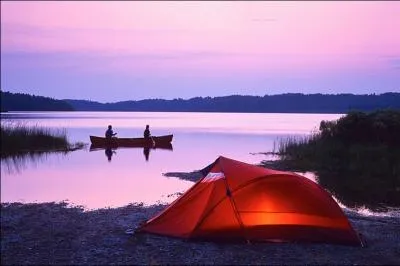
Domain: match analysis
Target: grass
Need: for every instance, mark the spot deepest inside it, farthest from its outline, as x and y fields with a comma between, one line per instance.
x=356, y=158
x=18, y=138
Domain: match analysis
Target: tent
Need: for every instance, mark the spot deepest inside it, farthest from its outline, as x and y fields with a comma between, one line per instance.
x=238, y=201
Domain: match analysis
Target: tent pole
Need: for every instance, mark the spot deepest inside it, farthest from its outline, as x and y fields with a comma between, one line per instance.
x=239, y=219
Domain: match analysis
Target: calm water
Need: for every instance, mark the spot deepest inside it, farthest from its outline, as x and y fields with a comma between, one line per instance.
x=88, y=178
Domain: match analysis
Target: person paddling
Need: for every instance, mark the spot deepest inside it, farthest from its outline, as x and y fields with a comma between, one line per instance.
x=110, y=133
x=147, y=134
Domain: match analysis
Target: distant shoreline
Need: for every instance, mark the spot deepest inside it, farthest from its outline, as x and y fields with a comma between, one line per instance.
x=281, y=103
x=116, y=111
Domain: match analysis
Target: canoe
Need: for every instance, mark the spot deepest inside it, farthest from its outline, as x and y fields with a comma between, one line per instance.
x=161, y=146
x=131, y=142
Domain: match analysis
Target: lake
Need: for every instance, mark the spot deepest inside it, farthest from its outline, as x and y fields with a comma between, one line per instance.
x=94, y=179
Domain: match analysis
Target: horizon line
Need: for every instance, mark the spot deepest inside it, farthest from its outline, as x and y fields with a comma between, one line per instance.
x=212, y=97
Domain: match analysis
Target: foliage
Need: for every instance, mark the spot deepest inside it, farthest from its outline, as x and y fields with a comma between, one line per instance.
x=25, y=102
x=357, y=157
x=19, y=138
x=283, y=103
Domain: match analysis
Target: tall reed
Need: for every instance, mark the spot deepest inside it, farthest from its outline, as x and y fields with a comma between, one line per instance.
x=18, y=137
x=356, y=157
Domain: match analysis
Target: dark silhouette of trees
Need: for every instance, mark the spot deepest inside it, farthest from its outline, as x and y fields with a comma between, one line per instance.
x=357, y=158
x=283, y=103
x=25, y=102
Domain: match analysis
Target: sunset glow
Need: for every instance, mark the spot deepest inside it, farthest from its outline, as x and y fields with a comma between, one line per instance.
x=111, y=51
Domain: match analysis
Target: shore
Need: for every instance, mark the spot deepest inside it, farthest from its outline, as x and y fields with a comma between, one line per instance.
x=57, y=233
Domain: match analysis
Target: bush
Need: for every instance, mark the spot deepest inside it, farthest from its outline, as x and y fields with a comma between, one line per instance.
x=357, y=157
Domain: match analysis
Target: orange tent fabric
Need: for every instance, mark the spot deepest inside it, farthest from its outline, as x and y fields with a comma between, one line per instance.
x=239, y=201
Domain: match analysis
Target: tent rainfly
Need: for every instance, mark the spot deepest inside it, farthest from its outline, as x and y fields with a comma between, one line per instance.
x=238, y=201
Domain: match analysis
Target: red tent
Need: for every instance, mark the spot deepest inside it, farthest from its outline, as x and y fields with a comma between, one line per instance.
x=239, y=201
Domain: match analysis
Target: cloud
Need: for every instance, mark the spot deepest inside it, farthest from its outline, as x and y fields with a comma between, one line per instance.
x=94, y=62
x=10, y=28
x=21, y=37
x=162, y=56
x=263, y=20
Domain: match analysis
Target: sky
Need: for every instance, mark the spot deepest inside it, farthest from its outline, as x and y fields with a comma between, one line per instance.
x=111, y=51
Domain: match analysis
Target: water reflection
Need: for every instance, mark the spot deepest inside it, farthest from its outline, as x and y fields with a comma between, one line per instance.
x=111, y=151
x=147, y=149
x=356, y=184
x=16, y=164
x=146, y=153
x=128, y=122
x=87, y=178
x=356, y=189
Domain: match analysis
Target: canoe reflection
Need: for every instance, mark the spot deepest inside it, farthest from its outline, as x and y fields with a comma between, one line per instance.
x=109, y=151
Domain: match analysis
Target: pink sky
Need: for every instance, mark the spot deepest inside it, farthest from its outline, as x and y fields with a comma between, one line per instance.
x=184, y=49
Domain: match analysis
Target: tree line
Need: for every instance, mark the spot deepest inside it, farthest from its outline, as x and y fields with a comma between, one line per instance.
x=26, y=102
x=282, y=103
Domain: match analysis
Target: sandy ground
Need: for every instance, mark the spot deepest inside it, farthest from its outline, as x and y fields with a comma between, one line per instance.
x=56, y=233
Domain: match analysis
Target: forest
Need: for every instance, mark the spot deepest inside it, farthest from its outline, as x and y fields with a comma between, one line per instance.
x=282, y=103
